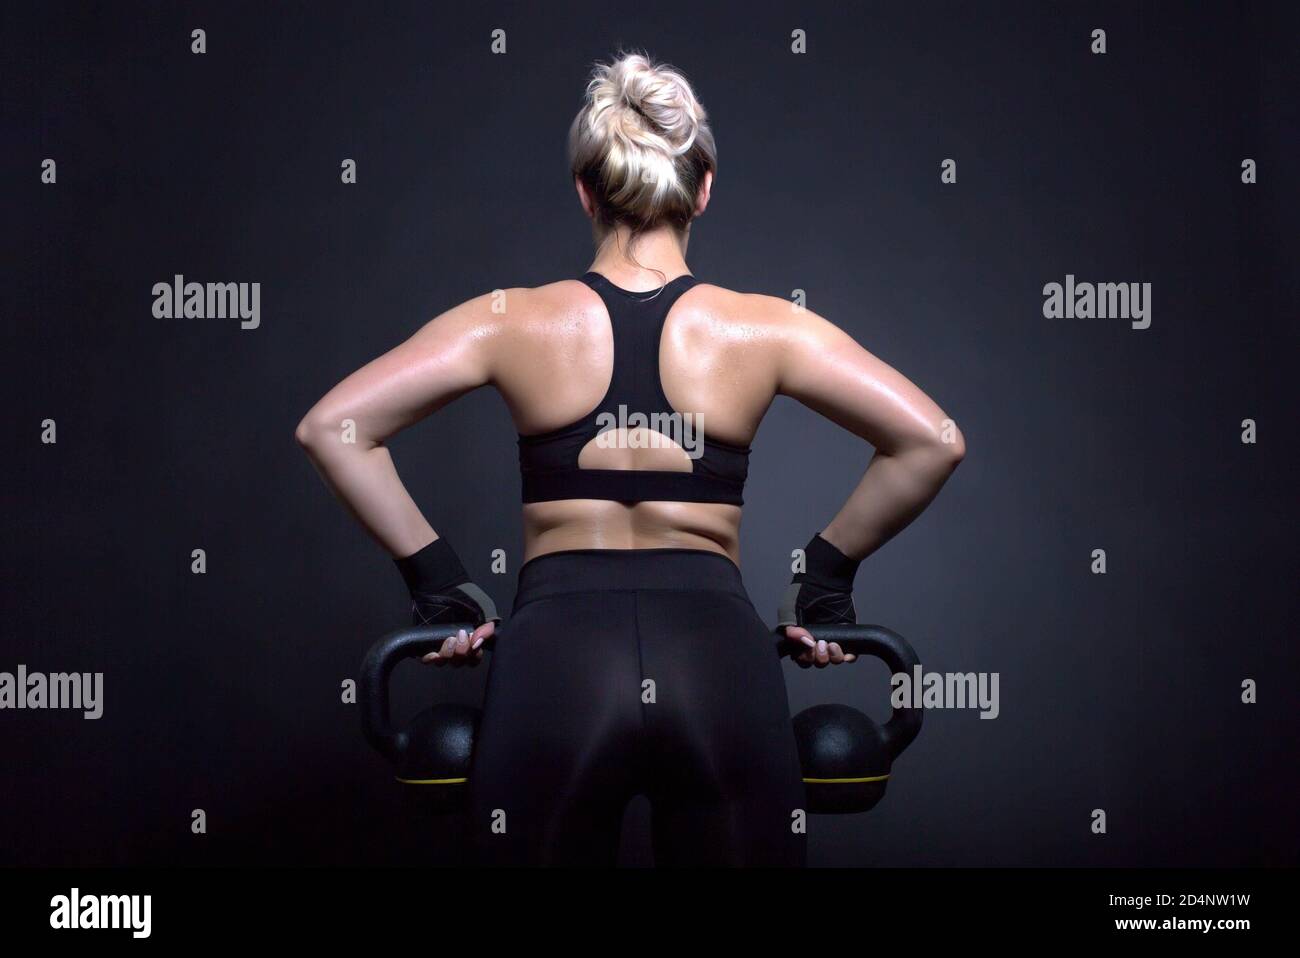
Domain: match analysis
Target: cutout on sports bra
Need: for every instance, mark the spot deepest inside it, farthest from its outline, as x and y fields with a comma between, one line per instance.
x=634, y=450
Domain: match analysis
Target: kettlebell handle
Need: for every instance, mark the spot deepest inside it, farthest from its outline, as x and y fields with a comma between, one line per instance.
x=377, y=667
x=879, y=642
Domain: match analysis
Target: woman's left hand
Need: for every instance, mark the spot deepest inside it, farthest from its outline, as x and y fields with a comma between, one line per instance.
x=462, y=648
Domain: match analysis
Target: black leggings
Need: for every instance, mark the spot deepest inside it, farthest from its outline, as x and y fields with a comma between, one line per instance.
x=625, y=672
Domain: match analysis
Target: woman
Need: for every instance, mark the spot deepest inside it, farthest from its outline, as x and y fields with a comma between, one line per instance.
x=634, y=662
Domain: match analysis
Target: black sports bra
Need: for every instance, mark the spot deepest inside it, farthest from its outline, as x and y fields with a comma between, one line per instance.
x=548, y=461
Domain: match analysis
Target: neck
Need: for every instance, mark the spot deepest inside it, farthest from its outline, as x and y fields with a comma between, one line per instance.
x=653, y=259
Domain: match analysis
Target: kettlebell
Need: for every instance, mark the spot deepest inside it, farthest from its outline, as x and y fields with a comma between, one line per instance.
x=845, y=756
x=431, y=753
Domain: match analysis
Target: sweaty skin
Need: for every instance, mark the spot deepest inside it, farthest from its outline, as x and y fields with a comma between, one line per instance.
x=724, y=357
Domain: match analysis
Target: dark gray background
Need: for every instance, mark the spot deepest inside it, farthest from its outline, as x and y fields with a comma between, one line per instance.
x=1118, y=692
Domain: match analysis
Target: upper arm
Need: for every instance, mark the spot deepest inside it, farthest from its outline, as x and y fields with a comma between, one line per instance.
x=822, y=367
x=446, y=358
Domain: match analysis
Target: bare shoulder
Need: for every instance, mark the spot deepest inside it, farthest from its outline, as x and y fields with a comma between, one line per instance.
x=524, y=307
x=757, y=317
x=511, y=312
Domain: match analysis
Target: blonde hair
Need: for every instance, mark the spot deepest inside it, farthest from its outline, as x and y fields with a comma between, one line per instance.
x=641, y=144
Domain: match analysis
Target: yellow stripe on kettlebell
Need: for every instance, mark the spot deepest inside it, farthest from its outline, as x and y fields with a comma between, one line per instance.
x=433, y=781
x=844, y=781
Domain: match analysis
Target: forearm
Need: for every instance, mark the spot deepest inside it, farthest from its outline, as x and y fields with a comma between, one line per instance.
x=894, y=490
x=365, y=480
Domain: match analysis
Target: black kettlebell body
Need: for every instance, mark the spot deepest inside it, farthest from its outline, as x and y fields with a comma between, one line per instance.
x=844, y=759
x=440, y=744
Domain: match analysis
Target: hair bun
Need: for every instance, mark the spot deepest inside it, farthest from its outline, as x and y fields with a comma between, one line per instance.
x=641, y=142
x=659, y=96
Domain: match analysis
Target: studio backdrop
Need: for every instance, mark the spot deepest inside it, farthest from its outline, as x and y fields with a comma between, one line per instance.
x=1073, y=225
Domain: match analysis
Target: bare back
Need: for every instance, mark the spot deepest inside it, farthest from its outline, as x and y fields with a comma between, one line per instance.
x=555, y=358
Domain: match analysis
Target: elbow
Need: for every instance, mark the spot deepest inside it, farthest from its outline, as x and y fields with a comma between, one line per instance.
x=314, y=432
x=303, y=434
x=326, y=433
x=940, y=453
x=953, y=445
